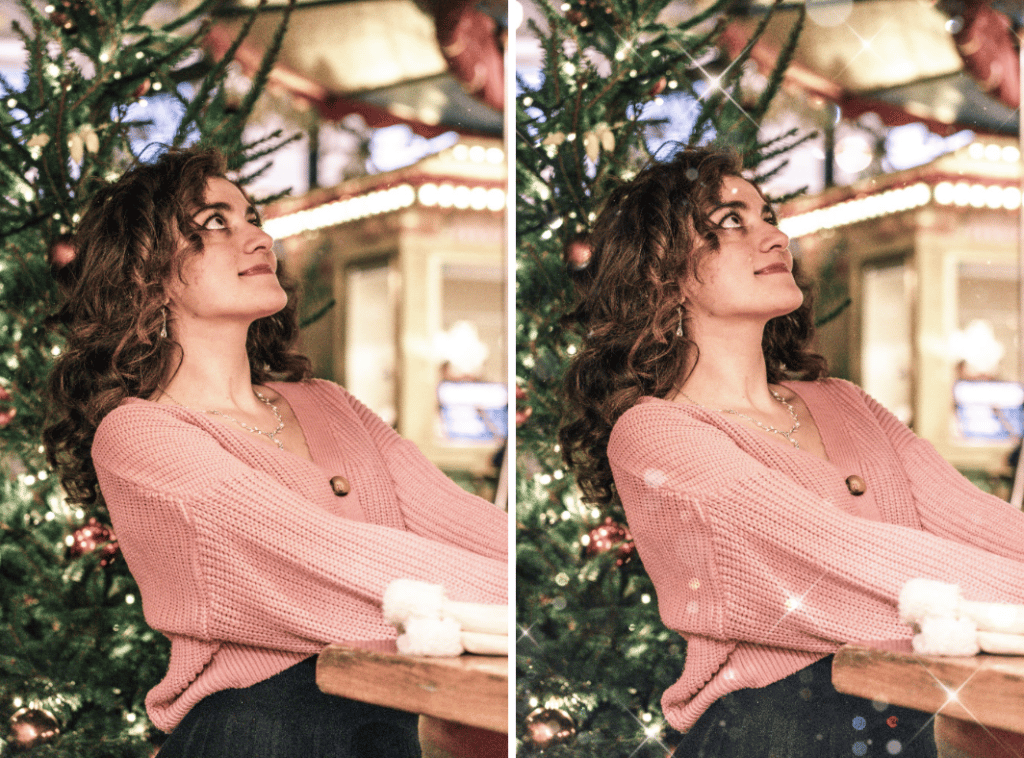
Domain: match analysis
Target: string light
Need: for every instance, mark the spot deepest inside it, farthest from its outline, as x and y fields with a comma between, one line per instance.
x=858, y=209
x=993, y=152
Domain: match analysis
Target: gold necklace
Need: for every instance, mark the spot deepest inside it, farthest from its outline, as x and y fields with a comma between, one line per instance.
x=272, y=436
x=767, y=428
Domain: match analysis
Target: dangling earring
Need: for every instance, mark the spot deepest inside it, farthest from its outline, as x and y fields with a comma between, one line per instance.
x=679, y=326
x=163, y=326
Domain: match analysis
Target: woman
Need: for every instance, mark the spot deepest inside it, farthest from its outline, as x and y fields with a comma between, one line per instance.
x=261, y=512
x=777, y=512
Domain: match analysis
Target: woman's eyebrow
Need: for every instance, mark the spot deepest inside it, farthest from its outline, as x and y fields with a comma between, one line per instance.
x=212, y=207
x=249, y=211
x=740, y=205
x=735, y=204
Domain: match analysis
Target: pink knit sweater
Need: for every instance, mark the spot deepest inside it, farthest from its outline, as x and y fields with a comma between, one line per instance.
x=764, y=561
x=248, y=561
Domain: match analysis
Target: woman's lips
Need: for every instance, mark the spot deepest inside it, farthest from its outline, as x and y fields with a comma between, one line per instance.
x=775, y=268
x=263, y=268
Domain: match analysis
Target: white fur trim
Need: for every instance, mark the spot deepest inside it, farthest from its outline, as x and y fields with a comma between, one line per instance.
x=406, y=598
x=946, y=636
x=926, y=597
x=438, y=637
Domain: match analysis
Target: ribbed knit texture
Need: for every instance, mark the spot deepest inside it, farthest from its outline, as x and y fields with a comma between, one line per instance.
x=248, y=561
x=764, y=561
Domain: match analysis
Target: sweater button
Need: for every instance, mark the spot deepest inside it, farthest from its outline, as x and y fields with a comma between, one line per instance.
x=856, y=485
x=340, y=485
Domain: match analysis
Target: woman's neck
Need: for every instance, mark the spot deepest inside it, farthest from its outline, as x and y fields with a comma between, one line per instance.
x=214, y=372
x=730, y=370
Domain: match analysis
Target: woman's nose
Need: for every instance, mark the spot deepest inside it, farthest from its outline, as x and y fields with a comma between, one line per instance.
x=260, y=240
x=775, y=237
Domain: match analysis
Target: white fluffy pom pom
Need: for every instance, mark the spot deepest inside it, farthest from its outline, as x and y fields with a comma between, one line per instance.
x=920, y=598
x=946, y=636
x=423, y=636
x=408, y=598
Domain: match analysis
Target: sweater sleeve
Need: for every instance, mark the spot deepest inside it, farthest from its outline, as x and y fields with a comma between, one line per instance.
x=432, y=504
x=947, y=503
x=739, y=551
x=223, y=551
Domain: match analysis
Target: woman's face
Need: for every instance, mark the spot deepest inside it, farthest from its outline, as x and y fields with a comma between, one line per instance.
x=234, y=277
x=750, y=275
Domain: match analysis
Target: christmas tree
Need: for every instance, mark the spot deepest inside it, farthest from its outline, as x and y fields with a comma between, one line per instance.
x=592, y=655
x=76, y=656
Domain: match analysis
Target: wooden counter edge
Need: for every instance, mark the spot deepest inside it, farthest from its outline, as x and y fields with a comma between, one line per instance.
x=468, y=689
x=961, y=688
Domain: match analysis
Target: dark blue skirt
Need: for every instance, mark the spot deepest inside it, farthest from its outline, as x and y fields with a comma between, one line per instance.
x=802, y=716
x=287, y=716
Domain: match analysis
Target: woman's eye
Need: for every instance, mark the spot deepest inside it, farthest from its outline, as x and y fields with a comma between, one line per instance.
x=215, y=221
x=730, y=221
x=255, y=221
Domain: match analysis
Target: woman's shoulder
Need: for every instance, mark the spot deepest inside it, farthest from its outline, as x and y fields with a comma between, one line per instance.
x=652, y=413
x=139, y=414
x=137, y=426
x=654, y=426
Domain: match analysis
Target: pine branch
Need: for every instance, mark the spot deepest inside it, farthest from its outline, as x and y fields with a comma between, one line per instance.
x=781, y=64
x=259, y=79
x=215, y=77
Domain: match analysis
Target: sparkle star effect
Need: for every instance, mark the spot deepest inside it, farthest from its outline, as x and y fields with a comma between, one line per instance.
x=953, y=697
x=865, y=46
x=714, y=82
x=524, y=633
x=651, y=732
x=794, y=603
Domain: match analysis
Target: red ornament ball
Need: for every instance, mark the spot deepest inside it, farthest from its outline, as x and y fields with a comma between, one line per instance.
x=91, y=536
x=525, y=413
x=578, y=254
x=549, y=726
x=6, y=416
x=31, y=727
x=577, y=17
x=609, y=535
x=658, y=87
x=61, y=253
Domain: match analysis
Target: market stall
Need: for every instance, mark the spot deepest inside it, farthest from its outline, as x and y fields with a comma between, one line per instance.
x=929, y=259
x=414, y=261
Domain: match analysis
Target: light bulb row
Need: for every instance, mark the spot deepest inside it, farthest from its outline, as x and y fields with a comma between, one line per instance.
x=993, y=152
x=478, y=154
x=963, y=194
x=858, y=209
x=960, y=194
x=385, y=201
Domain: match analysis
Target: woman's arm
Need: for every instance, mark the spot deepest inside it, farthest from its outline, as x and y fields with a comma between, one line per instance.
x=741, y=551
x=432, y=504
x=224, y=551
x=948, y=504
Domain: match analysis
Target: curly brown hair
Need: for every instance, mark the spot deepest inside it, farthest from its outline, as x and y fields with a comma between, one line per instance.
x=653, y=232
x=135, y=234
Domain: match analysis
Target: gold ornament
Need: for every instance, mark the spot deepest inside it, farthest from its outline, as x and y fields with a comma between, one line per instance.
x=89, y=136
x=548, y=726
x=600, y=138
x=31, y=727
x=76, y=147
